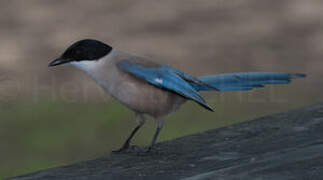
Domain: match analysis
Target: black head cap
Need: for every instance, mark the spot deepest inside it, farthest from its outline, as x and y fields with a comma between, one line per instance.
x=87, y=49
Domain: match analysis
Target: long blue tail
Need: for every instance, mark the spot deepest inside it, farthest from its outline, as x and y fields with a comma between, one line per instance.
x=245, y=80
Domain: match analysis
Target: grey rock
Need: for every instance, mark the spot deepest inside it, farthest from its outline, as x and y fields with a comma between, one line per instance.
x=281, y=146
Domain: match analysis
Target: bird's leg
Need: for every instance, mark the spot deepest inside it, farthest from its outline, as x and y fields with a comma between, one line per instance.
x=140, y=120
x=159, y=127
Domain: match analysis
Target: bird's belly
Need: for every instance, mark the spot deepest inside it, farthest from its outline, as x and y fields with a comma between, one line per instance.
x=135, y=93
x=145, y=98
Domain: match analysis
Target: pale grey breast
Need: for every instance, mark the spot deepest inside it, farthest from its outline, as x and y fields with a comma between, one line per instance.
x=135, y=93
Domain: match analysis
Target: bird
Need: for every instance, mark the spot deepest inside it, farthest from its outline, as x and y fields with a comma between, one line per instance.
x=151, y=88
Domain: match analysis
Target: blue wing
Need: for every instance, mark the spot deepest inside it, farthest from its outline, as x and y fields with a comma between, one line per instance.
x=245, y=80
x=188, y=86
x=167, y=78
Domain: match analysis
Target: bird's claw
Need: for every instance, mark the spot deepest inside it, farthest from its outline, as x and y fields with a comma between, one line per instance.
x=148, y=149
x=132, y=148
x=124, y=148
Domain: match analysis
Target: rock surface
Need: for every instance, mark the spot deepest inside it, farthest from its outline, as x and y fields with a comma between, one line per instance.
x=281, y=146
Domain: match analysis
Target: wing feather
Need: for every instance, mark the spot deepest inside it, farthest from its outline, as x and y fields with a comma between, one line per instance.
x=165, y=78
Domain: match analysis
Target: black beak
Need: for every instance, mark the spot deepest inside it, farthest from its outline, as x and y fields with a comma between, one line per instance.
x=59, y=61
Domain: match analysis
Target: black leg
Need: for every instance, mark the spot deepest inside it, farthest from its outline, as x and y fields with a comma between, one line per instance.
x=154, y=139
x=127, y=143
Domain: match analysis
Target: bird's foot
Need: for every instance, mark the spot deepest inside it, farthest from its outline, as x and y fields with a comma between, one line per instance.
x=127, y=148
x=130, y=149
x=148, y=149
x=124, y=148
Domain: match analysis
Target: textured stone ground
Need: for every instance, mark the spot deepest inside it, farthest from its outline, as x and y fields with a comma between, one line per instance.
x=281, y=146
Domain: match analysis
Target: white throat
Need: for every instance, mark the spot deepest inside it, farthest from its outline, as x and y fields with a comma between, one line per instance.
x=90, y=66
x=85, y=65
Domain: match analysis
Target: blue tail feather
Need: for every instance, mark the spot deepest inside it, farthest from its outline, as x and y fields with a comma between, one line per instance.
x=244, y=80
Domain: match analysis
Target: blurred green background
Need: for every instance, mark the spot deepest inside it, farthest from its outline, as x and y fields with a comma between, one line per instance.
x=56, y=116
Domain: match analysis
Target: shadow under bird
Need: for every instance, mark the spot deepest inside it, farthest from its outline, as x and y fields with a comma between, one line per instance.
x=148, y=87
